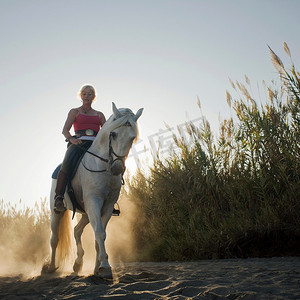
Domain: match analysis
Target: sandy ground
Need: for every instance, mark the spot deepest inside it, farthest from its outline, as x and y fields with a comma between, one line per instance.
x=274, y=278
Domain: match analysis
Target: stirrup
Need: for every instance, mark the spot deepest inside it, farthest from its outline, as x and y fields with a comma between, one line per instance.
x=59, y=204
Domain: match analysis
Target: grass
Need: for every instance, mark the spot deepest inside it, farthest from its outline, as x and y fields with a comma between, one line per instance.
x=236, y=195
x=24, y=235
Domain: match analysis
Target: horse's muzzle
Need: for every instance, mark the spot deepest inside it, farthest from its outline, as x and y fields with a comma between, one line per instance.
x=117, y=168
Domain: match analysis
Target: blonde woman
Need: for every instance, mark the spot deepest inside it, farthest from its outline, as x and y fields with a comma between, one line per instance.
x=86, y=122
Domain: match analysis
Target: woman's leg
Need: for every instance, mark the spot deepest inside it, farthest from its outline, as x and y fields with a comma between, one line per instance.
x=62, y=180
x=73, y=154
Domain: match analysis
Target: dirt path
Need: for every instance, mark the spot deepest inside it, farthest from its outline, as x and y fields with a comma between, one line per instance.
x=274, y=278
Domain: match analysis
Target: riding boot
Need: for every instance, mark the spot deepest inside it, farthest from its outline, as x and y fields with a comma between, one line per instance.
x=62, y=180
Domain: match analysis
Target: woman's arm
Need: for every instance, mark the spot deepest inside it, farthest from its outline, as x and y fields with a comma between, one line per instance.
x=68, y=124
x=102, y=118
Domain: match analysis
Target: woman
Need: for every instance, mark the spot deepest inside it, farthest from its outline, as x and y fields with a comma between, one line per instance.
x=86, y=122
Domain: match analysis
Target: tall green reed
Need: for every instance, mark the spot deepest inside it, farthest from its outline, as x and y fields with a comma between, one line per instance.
x=236, y=194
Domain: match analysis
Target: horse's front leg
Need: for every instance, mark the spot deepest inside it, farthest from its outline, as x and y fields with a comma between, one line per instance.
x=106, y=215
x=102, y=267
x=77, y=234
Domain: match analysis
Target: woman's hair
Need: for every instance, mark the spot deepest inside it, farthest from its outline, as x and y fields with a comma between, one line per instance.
x=87, y=86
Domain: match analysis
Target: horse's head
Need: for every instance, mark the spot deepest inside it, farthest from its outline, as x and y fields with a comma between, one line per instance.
x=123, y=131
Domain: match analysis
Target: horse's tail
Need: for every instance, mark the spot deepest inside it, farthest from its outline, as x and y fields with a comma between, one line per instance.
x=63, y=249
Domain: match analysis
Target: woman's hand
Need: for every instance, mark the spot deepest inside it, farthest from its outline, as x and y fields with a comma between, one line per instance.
x=75, y=141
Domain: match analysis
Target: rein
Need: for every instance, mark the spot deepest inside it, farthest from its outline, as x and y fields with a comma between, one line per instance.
x=103, y=159
x=109, y=161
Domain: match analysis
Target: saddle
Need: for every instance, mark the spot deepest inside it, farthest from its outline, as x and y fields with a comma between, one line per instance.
x=73, y=168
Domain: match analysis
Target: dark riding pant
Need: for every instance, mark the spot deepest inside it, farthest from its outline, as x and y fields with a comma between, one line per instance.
x=73, y=154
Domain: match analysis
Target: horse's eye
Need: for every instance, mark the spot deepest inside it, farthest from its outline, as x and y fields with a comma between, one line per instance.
x=114, y=135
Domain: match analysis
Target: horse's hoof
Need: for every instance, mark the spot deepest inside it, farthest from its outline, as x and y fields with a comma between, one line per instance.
x=104, y=273
x=47, y=269
x=77, y=268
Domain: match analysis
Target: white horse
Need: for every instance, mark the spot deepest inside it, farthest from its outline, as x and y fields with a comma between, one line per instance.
x=96, y=185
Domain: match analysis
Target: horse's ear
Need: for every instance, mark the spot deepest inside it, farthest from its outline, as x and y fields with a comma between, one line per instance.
x=138, y=114
x=116, y=112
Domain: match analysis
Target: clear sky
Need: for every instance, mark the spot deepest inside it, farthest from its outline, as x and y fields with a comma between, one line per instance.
x=156, y=54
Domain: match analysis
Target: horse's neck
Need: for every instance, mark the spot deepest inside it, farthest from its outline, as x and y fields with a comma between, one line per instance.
x=100, y=145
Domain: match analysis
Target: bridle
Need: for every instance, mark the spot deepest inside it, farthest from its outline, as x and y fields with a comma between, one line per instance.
x=111, y=153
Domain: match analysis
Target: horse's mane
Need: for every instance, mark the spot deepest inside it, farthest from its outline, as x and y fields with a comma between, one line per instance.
x=112, y=123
